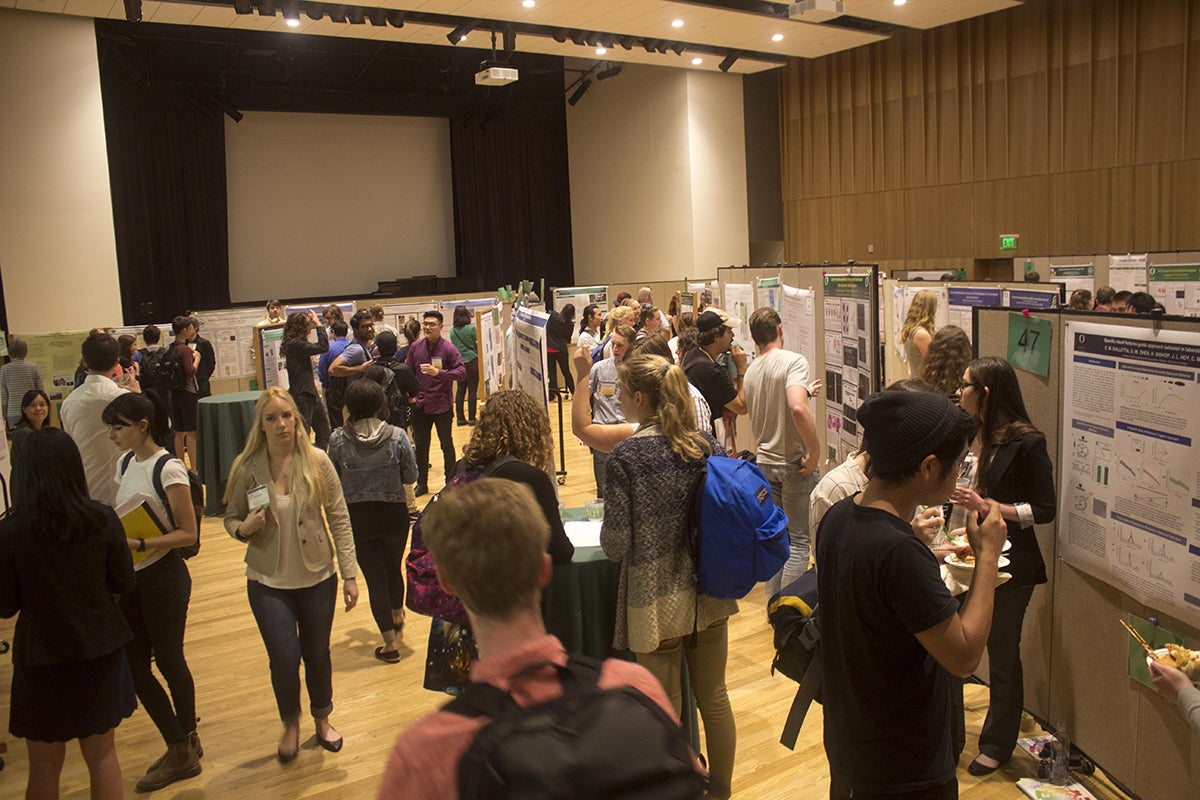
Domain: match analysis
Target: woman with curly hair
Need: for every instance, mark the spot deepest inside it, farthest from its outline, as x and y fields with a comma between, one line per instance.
x=298, y=352
x=646, y=529
x=512, y=440
x=948, y=355
x=917, y=331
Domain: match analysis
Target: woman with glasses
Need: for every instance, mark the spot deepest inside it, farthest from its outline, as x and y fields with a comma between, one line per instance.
x=1013, y=471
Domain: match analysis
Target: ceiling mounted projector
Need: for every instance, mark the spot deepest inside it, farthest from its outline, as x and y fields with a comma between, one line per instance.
x=816, y=10
x=495, y=75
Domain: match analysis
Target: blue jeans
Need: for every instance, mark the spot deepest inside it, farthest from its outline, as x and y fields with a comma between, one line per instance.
x=791, y=492
x=295, y=624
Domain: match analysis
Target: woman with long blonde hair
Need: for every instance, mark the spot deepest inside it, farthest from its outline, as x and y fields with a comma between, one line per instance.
x=649, y=482
x=281, y=490
x=918, y=329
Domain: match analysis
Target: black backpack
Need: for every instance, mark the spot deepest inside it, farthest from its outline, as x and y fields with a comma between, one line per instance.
x=172, y=369
x=194, y=485
x=400, y=387
x=589, y=743
x=793, y=615
x=151, y=372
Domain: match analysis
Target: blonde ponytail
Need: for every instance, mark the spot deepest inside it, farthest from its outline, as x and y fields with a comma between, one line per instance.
x=666, y=387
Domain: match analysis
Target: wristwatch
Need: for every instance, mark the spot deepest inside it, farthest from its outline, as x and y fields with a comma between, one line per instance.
x=141, y=548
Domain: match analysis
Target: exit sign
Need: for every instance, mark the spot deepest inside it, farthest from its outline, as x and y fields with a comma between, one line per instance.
x=1009, y=241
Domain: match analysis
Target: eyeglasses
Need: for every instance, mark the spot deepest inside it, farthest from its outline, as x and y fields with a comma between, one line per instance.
x=962, y=385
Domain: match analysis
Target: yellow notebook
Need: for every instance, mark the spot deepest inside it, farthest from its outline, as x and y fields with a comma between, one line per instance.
x=140, y=522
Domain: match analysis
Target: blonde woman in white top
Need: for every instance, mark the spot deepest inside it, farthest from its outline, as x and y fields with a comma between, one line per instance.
x=278, y=488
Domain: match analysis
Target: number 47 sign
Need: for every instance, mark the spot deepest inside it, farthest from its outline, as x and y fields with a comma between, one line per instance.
x=1029, y=343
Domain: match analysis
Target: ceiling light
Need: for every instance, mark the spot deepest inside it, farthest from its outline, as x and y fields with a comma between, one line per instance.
x=728, y=62
x=697, y=61
x=293, y=23
x=777, y=37
x=529, y=3
x=601, y=51
x=899, y=2
x=460, y=33
x=676, y=23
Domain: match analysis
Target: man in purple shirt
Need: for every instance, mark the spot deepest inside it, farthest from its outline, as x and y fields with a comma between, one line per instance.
x=437, y=364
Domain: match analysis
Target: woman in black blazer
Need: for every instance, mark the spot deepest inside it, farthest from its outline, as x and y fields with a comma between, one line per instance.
x=62, y=558
x=1014, y=471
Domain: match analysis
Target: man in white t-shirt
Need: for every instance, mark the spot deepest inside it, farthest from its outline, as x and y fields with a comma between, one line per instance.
x=80, y=415
x=777, y=392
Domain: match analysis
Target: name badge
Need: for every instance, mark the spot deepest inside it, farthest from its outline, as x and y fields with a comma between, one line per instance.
x=436, y=361
x=258, y=497
x=608, y=388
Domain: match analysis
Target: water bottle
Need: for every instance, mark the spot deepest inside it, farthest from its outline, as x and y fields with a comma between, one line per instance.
x=1060, y=775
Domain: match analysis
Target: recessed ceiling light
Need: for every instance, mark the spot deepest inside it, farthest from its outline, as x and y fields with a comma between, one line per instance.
x=676, y=23
x=293, y=23
x=697, y=61
x=529, y=3
x=899, y=2
x=601, y=51
x=777, y=37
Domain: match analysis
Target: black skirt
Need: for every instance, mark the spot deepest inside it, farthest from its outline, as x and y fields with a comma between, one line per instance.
x=75, y=700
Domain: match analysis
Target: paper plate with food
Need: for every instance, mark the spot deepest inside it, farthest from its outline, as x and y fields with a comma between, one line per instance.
x=958, y=538
x=967, y=561
x=1179, y=657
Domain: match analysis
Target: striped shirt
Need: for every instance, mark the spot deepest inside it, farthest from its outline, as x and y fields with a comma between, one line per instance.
x=16, y=378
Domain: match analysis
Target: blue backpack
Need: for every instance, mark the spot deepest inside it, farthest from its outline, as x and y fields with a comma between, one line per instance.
x=739, y=536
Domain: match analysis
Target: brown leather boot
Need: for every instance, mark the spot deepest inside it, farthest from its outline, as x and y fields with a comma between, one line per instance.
x=181, y=761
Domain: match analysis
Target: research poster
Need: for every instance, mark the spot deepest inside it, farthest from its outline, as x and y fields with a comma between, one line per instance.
x=799, y=320
x=1177, y=287
x=1129, y=507
x=319, y=309
x=1127, y=273
x=961, y=300
x=491, y=343
x=232, y=335
x=580, y=297
x=1032, y=299
x=397, y=314
x=1074, y=276
x=848, y=360
x=272, y=363
x=739, y=299
x=529, y=353
x=768, y=294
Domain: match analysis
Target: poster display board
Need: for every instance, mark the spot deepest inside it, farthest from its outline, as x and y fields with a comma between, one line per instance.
x=271, y=367
x=347, y=308
x=799, y=317
x=57, y=355
x=1127, y=273
x=902, y=298
x=849, y=360
x=768, y=293
x=1074, y=276
x=1129, y=509
x=580, y=297
x=961, y=300
x=1033, y=299
x=739, y=305
x=490, y=332
x=529, y=353
x=1177, y=287
x=397, y=314
x=232, y=335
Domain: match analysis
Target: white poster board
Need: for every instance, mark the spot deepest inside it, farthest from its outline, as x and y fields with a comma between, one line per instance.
x=272, y=363
x=231, y=332
x=768, y=293
x=491, y=343
x=396, y=314
x=1074, y=276
x=529, y=353
x=739, y=305
x=961, y=300
x=1177, y=287
x=1127, y=273
x=1131, y=415
x=799, y=318
x=581, y=297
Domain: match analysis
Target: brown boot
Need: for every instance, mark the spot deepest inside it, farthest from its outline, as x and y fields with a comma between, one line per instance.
x=193, y=740
x=181, y=761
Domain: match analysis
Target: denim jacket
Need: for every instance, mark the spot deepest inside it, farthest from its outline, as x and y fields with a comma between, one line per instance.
x=374, y=460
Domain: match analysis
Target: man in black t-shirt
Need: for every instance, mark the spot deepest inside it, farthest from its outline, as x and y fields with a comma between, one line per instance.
x=891, y=633
x=710, y=378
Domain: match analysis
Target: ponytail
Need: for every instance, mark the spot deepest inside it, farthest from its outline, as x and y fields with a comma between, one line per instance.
x=671, y=405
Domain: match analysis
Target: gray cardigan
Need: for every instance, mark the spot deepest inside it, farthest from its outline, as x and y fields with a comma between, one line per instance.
x=262, y=551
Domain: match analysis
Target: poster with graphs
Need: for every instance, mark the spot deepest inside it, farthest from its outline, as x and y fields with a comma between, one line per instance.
x=1129, y=507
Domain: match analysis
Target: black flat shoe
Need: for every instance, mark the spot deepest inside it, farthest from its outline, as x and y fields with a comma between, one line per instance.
x=420, y=489
x=980, y=769
x=333, y=747
x=387, y=656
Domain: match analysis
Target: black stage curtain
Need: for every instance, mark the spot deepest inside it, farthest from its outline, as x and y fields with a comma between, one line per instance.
x=512, y=201
x=166, y=161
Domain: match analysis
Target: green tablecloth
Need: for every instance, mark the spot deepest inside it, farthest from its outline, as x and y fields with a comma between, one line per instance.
x=222, y=424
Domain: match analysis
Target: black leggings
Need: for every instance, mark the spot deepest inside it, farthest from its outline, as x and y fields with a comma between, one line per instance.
x=156, y=611
x=315, y=416
x=468, y=389
x=422, y=426
x=562, y=359
x=380, y=535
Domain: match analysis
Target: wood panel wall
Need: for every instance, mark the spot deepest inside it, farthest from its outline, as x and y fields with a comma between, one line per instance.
x=1075, y=123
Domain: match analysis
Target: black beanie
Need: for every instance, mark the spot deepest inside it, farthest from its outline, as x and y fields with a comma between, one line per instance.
x=900, y=429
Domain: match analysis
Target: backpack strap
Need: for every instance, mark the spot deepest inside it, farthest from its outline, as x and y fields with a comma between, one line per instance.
x=803, y=700
x=486, y=700
x=125, y=459
x=161, y=490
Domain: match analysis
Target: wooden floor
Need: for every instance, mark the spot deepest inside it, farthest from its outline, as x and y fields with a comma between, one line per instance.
x=373, y=701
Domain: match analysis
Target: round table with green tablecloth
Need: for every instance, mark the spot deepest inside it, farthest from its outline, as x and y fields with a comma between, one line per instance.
x=222, y=424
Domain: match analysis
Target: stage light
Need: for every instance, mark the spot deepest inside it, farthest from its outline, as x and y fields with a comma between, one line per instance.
x=396, y=18
x=133, y=10
x=728, y=62
x=678, y=47
x=611, y=71
x=580, y=92
x=458, y=34
x=243, y=6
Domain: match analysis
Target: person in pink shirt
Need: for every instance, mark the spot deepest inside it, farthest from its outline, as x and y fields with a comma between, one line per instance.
x=489, y=540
